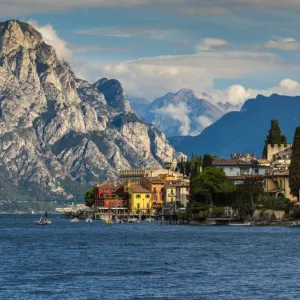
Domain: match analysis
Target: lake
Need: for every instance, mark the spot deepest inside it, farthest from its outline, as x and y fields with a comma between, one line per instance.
x=146, y=261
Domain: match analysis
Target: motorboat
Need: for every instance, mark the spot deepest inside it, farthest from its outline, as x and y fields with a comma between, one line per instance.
x=75, y=220
x=240, y=224
x=294, y=224
x=133, y=220
x=149, y=220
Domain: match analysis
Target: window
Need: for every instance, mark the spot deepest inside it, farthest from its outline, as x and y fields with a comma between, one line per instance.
x=147, y=196
x=231, y=169
x=280, y=183
x=111, y=204
x=119, y=204
x=138, y=206
x=138, y=196
x=154, y=190
x=148, y=205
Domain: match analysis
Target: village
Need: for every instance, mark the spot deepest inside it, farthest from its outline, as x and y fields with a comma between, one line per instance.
x=165, y=193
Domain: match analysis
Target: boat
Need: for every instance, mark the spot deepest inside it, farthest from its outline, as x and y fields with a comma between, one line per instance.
x=149, y=220
x=75, y=220
x=240, y=224
x=44, y=220
x=133, y=220
x=294, y=224
x=89, y=220
x=108, y=222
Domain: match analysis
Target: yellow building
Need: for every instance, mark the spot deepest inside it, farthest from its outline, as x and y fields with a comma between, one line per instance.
x=170, y=193
x=277, y=184
x=155, y=185
x=140, y=200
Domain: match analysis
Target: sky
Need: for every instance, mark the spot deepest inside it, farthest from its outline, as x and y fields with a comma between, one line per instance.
x=231, y=49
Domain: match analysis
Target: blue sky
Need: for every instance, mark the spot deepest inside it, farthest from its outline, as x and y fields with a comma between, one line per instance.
x=232, y=49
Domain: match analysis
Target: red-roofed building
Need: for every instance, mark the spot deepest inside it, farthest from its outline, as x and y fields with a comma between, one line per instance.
x=110, y=195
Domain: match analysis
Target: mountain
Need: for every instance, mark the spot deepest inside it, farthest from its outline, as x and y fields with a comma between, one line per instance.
x=183, y=113
x=227, y=107
x=59, y=133
x=246, y=130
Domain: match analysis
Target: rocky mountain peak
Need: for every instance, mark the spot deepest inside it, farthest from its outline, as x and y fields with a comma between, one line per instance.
x=114, y=94
x=57, y=131
x=15, y=34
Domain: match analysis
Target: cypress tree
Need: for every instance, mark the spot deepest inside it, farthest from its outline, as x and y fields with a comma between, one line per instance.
x=207, y=161
x=294, y=177
x=274, y=137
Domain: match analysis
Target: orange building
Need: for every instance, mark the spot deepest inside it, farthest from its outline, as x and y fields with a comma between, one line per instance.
x=155, y=185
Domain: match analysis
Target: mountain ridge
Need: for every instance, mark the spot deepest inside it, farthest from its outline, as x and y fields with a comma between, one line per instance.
x=58, y=131
x=244, y=131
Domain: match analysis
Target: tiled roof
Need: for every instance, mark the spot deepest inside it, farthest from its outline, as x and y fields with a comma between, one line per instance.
x=231, y=162
x=109, y=185
x=136, y=188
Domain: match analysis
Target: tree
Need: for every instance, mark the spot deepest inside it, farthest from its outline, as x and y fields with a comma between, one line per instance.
x=210, y=182
x=294, y=174
x=207, y=160
x=90, y=198
x=274, y=137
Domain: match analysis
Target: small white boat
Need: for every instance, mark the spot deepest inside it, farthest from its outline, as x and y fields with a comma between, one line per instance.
x=133, y=220
x=75, y=220
x=149, y=220
x=240, y=224
x=294, y=224
x=89, y=220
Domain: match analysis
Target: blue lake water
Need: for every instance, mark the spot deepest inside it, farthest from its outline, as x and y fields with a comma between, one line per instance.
x=146, y=261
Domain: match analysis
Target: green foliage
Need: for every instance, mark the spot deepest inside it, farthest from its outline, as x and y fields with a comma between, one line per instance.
x=207, y=160
x=296, y=212
x=217, y=212
x=294, y=173
x=274, y=203
x=274, y=137
x=90, y=198
x=284, y=140
x=211, y=181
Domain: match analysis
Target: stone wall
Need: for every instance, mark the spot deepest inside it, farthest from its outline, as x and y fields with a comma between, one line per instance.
x=279, y=150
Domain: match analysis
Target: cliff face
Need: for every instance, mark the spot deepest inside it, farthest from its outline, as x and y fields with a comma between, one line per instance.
x=57, y=129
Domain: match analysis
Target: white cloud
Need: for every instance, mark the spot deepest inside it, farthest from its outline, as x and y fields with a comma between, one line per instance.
x=210, y=43
x=155, y=76
x=178, y=113
x=204, y=121
x=289, y=84
x=51, y=38
x=132, y=32
x=238, y=94
x=286, y=44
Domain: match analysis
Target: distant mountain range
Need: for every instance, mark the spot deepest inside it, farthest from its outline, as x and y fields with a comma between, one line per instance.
x=246, y=130
x=183, y=113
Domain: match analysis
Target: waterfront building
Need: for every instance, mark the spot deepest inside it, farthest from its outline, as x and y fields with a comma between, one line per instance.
x=276, y=183
x=237, y=170
x=183, y=193
x=176, y=192
x=140, y=198
x=110, y=195
x=155, y=185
